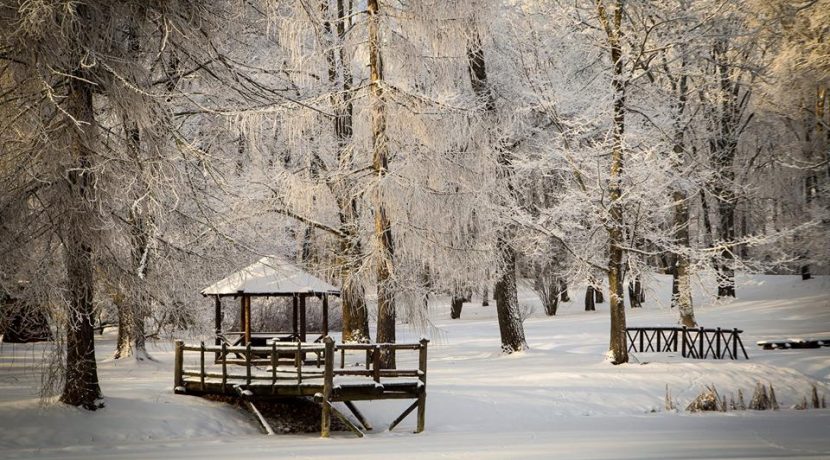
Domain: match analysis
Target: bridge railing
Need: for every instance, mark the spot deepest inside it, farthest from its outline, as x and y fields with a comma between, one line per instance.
x=697, y=343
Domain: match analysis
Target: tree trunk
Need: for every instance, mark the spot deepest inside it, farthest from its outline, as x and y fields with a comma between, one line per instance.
x=724, y=148
x=634, y=288
x=726, y=271
x=505, y=293
x=133, y=306
x=353, y=301
x=590, y=299
x=380, y=165
x=81, y=380
x=563, y=291
x=511, y=328
x=547, y=286
x=614, y=226
x=681, y=277
x=124, y=343
x=600, y=298
x=456, y=304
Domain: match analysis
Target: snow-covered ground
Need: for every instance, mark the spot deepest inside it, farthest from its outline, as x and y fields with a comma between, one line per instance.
x=560, y=399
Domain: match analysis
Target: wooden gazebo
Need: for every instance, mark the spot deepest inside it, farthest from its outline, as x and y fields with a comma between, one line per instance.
x=270, y=276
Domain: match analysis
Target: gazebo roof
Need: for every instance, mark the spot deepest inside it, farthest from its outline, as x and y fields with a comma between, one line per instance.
x=270, y=275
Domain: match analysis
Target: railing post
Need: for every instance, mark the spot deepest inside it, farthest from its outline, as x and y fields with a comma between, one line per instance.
x=299, y=360
x=674, y=333
x=202, y=364
x=717, y=343
x=683, y=345
x=422, y=395
x=641, y=333
x=659, y=336
x=376, y=363
x=178, y=375
x=701, y=335
x=248, y=363
x=273, y=367
x=224, y=366
x=735, y=343
x=328, y=381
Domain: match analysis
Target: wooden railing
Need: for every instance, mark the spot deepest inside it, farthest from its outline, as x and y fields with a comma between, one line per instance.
x=698, y=343
x=305, y=369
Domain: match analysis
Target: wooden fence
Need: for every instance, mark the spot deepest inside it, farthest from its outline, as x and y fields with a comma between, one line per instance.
x=697, y=343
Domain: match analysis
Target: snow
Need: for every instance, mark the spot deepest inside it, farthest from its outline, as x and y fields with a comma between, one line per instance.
x=560, y=398
x=270, y=275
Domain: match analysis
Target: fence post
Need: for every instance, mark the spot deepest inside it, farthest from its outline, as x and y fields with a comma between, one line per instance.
x=248, y=363
x=299, y=360
x=376, y=363
x=202, y=364
x=683, y=345
x=328, y=380
x=674, y=332
x=717, y=343
x=178, y=376
x=273, y=367
x=224, y=366
x=735, y=343
x=701, y=335
x=422, y=396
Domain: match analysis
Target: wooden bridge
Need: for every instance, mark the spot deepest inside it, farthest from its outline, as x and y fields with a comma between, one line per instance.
x=697, y=343
x=293, y=369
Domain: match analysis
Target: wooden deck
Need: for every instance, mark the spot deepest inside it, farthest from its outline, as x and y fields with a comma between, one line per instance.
x=317, y=370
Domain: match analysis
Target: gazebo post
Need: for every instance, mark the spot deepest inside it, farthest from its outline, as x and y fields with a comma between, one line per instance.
x=218, y=319
x=325, y=315
x=294, y=315
x=242, y=315
x=247, y=319
x=302, y=318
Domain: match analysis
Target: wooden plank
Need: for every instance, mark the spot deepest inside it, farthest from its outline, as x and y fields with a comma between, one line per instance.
x=328, y=380
x=178, y=365
x=422, y=397
x=358, y=415
x=257, y=414
x=403, y=415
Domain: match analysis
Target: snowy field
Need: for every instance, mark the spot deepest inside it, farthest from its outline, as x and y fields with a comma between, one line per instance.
x=561, y=399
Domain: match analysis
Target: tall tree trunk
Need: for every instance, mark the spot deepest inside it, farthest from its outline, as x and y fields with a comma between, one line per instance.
x=505, y=293
x=353, y=299
x=134, y=307
x=380, y=165
x=725, y=147
x=81, y=380
x=681, y=277
x=618, y=344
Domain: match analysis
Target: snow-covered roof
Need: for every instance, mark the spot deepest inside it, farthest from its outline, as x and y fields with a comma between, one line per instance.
x=270, y=275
